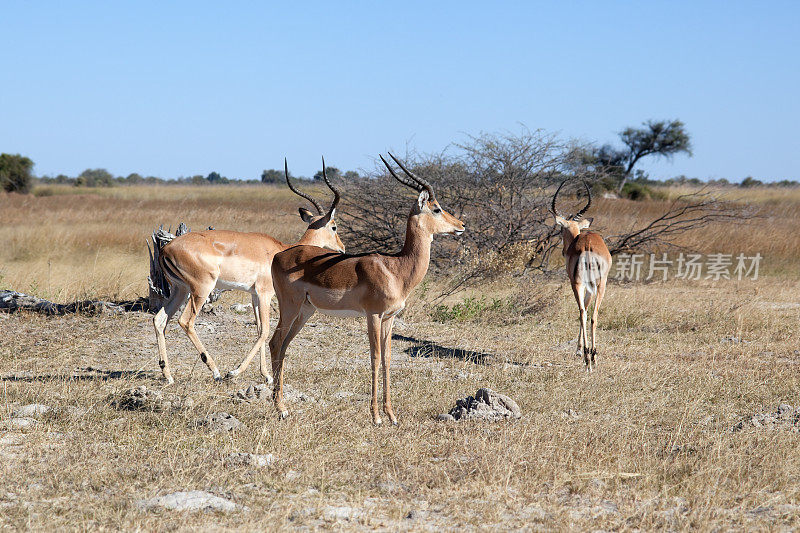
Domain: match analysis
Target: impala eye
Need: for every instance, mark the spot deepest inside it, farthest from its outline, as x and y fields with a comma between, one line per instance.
x=437, y=210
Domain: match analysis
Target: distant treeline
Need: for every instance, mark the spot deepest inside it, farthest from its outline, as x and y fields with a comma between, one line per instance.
x=100, y=177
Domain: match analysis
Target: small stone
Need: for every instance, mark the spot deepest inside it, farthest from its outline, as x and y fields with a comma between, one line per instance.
x=332, y=513
x=249, y=459
x=220, y=423
x=195, y=500
x=486, y=405
x=445, y=417
x=33, y=410
x=342, y=395
x=21, y=423
x=241, y=308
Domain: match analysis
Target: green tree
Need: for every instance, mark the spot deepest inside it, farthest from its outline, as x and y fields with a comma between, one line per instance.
x=351, y=175
x=214, y=177
x=272, y=176
x=660, y=138
x=750, y=181
x=95, y=177
x=332, y=173
x=15, y=173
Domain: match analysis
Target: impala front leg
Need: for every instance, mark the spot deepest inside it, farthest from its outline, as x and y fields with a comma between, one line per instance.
x=374, y=333
x=386, y=360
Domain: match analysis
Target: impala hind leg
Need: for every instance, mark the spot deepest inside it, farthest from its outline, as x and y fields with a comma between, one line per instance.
x=160, y=321
x=601, y=291
x=580, y=296
x=186, y=321
x=289, y=325
x=386, y=360
x=374, y=334
x=261, y=312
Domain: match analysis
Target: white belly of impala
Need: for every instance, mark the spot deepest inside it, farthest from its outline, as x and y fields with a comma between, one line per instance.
x=233, y=286
x=340, y=312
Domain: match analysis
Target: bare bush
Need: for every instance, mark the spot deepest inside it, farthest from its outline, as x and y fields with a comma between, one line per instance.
x=686, y=212
x=501, y=185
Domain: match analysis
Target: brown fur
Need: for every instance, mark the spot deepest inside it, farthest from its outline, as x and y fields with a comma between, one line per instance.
x=582, y=248
x=197, y=262
x=308, y=278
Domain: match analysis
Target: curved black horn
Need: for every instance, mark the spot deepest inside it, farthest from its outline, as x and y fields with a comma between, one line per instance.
x=419, y=180
x=336, y=195
x=414, y=185
x=588, y=203
x=553, y=203
x=298, y=193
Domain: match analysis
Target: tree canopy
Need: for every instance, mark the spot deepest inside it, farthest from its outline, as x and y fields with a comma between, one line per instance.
x=15, y=173
x=660, y=138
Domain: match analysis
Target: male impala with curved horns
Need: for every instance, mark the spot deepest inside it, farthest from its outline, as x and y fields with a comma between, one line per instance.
x=197, y=262
x=588, y=264
x=375, y=285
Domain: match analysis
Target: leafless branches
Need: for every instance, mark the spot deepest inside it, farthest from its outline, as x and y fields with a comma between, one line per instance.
x=501, y=186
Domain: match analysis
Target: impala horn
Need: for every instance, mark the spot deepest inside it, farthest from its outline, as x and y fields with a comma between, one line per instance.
x=336, y=195
x=422, y=182
x=553, y=203
x=408, y=183
x=578, y=216
x=303, y=195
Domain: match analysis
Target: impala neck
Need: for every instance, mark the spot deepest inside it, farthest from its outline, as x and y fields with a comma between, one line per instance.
x=416, y=253
x=568, y=235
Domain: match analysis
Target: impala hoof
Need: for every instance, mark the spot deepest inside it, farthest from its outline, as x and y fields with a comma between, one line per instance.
x=170, y=381
x=283, y=414
x=268, y=379
x=378, y=422
x=232, y=374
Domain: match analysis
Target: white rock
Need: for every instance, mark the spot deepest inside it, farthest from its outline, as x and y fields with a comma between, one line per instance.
x=195, y=500
x=333, y=513
x=241, y=308
x=33, y=410
x=21, y=423
x=249, y=459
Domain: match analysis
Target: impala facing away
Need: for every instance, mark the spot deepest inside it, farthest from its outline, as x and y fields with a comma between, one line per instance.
x=374, y=285
x=195, y=263
x=588, y=263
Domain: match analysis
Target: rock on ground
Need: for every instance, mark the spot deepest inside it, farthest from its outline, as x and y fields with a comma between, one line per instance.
x=220, y=423
x=253, y=393
x=262, y=391
x=195, y=500
x=143, y=399
x=249, y=459
x=485, y=405
x=785, y=416
x=33, y=410
x=20, y=423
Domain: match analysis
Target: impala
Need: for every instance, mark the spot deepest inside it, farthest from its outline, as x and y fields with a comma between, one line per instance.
x=588, y=263
x=195, y=263
x=375, y=285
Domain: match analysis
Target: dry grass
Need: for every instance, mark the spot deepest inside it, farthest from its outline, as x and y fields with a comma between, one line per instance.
x=645, y=442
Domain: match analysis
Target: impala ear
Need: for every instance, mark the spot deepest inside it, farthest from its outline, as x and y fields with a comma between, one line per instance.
x=333, y=214
x=561, y=221
x=306, y=215
x=585, y=223
x=423, y=197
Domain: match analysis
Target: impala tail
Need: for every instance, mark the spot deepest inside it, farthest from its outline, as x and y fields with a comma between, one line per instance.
x=590, y=269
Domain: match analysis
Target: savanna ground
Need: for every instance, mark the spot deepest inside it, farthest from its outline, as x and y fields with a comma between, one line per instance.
x=645, y=442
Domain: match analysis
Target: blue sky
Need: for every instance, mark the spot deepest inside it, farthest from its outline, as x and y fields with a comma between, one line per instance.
x=180, y=88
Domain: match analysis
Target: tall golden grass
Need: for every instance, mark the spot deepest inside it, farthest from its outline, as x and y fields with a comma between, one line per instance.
x=64, y=242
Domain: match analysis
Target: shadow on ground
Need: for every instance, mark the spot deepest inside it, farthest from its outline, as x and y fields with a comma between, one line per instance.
x=81, y=374
x=423, y=348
